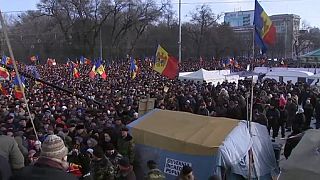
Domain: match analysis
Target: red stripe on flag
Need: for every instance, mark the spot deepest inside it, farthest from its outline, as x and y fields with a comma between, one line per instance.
x=270, y=37
x=171, y=70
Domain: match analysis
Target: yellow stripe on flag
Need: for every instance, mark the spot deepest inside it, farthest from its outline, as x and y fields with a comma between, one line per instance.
x=162, y=57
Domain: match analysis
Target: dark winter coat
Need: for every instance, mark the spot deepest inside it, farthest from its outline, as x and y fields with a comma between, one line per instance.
x=43, y=169
x=126, y=147
x=9, y=149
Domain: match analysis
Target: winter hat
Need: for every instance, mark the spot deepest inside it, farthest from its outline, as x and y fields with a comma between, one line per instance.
x=109, y=147
x=186, y=170
x=98, y=152
x=53, y=147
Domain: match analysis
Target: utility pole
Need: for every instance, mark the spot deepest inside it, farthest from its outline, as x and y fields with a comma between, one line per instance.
x=100, y=39
x=180, y=41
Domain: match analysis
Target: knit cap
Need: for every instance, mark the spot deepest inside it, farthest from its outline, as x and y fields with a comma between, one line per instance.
x=53, y=147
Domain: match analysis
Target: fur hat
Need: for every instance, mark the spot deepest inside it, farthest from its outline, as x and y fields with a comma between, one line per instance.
x=53, y=147
x=186, y=170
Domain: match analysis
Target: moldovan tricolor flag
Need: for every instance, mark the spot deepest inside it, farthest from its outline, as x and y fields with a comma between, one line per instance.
x=166, y=64
x=18, y=89
x=265, y=32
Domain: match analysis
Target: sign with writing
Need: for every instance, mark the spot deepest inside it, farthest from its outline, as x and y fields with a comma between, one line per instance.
x=173, y=166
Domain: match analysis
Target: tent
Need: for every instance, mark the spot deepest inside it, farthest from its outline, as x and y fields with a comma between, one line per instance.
x=304, y=160
x=311, y=57
x=174, y=139
x=289, y=75
x=204, y=75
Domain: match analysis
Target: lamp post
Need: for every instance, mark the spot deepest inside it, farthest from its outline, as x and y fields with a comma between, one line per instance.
x=180, y=31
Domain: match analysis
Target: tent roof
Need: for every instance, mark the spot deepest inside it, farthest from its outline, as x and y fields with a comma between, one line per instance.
x=316, y=76
x=182, y=132
x=315, y=53
x=308, y=155
x=288, y=73
x=200, y=74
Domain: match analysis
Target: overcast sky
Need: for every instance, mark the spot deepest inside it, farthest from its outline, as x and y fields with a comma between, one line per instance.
x=307, y=9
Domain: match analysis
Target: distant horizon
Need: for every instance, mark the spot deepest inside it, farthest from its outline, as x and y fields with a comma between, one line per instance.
x=306, y=9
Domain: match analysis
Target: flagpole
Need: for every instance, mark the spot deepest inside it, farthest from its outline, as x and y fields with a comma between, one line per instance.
x=180, y=40
x=251, y=103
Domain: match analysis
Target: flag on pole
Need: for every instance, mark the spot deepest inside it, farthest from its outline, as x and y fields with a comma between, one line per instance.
x=100, y=69
x=74, y=70
x=133, y=68
x=92, y=73
x=18, y=89
x=265, y=31
x=166, y=64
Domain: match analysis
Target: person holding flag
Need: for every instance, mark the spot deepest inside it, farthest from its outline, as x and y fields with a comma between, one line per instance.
x=133, y=68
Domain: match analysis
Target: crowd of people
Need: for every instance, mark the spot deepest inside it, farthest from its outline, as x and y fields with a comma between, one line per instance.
x=94, y=137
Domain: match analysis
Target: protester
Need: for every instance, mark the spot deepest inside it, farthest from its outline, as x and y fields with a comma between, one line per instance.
x=273, y=116
x=126, y=145
x=52, y=163
x=186, y=173
x=102, y=167
x=154, y=173
x=125, y=171
x=100, y=119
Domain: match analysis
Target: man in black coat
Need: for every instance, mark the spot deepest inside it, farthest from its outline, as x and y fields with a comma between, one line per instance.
x=51, y=165
x=273, y=116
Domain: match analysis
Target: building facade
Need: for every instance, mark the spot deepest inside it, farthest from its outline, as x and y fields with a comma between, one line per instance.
x=287, y=27
x=239, y=18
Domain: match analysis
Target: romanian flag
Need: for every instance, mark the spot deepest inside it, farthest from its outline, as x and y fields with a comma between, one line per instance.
x=265, y=31
x=166, y=64
x=18, y=89
x=133, y=68
x=3, y=91
x=4, y=73
x=100, y=69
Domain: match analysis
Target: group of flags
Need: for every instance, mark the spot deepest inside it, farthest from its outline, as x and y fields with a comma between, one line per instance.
x=98, y=68
x=164, y=63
